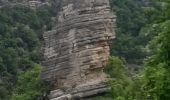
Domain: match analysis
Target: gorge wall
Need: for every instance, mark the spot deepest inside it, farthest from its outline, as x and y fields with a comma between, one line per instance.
x=77, y=49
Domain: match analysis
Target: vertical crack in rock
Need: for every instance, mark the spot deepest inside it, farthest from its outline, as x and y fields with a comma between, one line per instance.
x=77, y=49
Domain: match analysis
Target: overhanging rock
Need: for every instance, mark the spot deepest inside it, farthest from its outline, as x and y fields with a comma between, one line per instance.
x=77, y=49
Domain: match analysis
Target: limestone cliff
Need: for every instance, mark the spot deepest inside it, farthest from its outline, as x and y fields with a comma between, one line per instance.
x=77, y=49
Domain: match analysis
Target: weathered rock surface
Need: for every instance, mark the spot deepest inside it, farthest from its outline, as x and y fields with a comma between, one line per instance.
x=77, y=49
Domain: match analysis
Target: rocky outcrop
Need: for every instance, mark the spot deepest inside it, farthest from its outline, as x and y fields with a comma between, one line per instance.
x=77, y=49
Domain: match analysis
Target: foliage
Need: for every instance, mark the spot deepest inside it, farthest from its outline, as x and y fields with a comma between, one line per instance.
x=156, y=75
x=21, y=31
x=20, y=41
x=119, y=82
x=131, y=18
x=29, y=86
x=153, y=82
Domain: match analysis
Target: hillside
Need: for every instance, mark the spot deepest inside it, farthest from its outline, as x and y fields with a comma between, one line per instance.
x=138, y=67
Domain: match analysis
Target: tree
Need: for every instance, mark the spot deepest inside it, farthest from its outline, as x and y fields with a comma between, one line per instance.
x=153, y=82
x=157, y=77
x=119, y=82
x=130, y=20
x=29, y=86
x=19, y=46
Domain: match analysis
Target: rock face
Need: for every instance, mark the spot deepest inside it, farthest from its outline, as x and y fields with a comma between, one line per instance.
x=77, y=49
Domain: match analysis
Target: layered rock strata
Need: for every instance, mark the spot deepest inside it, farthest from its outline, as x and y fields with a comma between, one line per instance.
x=77, y=49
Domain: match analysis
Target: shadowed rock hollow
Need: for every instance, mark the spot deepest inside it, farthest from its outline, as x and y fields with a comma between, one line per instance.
x=77, y=49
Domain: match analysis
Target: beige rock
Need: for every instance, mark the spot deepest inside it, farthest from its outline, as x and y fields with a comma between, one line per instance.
x=77, y=49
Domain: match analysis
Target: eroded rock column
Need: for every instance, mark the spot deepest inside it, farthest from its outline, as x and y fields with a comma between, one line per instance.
x=77, y=49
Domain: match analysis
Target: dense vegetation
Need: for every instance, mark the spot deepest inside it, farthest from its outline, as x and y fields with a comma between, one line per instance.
x=130, y=43
x=143, y=38
x=153, y=81
x=21, y=31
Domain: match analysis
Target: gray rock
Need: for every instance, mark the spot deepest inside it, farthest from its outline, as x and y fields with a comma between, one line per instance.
x=56, y=93
x=77, y=49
